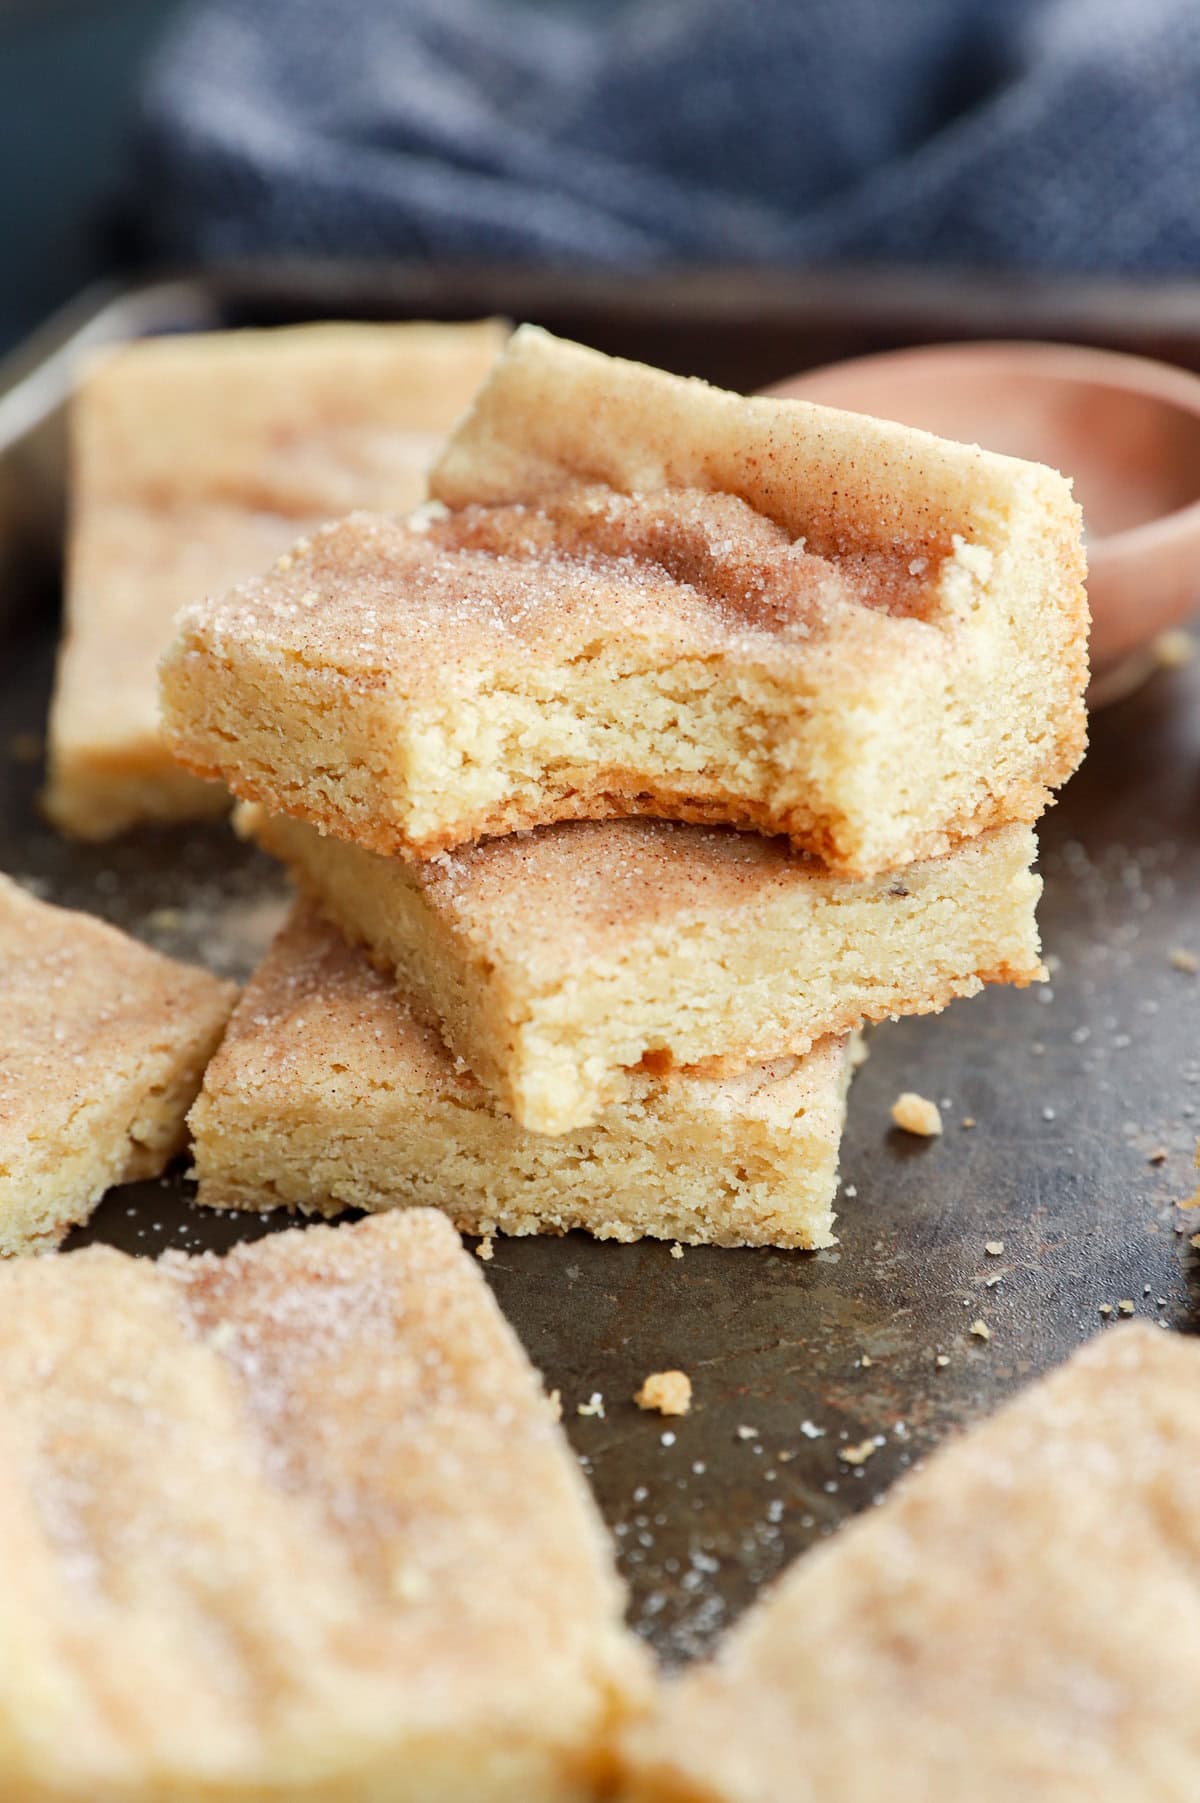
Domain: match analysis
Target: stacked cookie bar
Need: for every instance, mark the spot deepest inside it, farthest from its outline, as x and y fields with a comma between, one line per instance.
x=680, y=735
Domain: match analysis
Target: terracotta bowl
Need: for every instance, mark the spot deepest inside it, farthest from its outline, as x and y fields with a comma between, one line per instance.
x=1127, y=429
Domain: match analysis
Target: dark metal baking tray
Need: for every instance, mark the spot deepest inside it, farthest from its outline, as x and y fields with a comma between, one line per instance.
x=1075, y=1089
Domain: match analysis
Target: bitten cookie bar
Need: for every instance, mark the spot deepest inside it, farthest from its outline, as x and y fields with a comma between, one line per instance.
x=1021, y=1620
x=650, y=596
x=294, y=1524
x=102, y=1047
x=195, y=462
x=559, y=962
x=329, y=1093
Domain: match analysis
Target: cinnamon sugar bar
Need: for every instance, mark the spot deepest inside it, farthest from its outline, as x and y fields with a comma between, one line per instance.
x=102, y=1047
x=561, y=961
x=1021, y=1620
x=329, y=1092
x=196, y=461
x=296, y=1523
x=643, y=595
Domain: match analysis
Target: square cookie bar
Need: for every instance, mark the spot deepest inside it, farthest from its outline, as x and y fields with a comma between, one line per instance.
x=195, y=462
x=102, y=1047
x=330, y=1093
x=561, y=962
x=959, y=1642
x=296, y=1523
x=643, y=595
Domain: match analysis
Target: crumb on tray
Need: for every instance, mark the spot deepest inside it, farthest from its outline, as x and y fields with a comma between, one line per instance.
x=857, y=1455
x=917, y=1114
x=670, y=1392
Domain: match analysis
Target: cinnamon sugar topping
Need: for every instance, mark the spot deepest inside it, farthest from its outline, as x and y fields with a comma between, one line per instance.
x=703, y=567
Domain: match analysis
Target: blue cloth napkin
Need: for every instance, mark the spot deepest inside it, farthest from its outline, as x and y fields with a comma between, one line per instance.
x=1049, y=134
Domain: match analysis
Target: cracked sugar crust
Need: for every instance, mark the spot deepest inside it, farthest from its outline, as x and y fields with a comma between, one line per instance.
x=196, y=460
x=293, y=1523
x=691, y=573
x=331, y=1091
x=1021, y=1618
x=553, y=415
x=641, y=595
x=103, y=1045
x=563, y=895
x=559, y=962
